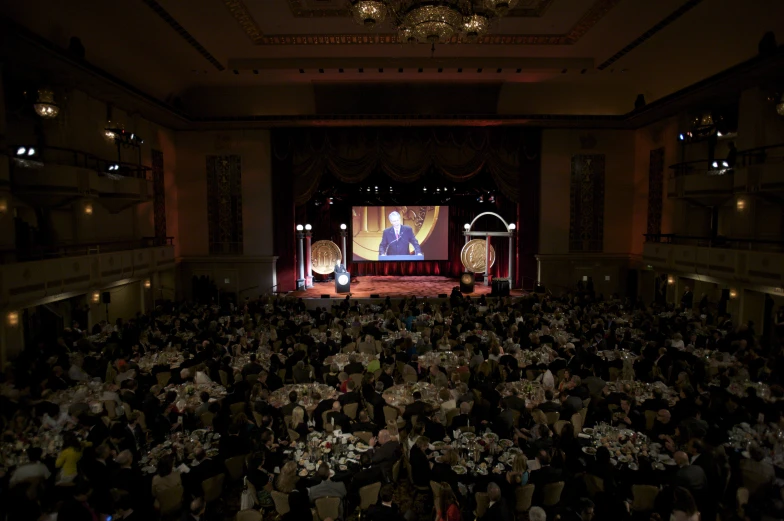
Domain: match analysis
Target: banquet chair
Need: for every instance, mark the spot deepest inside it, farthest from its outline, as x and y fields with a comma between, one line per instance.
x=357, y=379
x=482, y=504
x=465, y=377
x=577, y=422
x=410, y=378
x=524, y=497
x=111, y=408
x=170, y=500
x=282, y=374
x=539, y=417
x=349, y=348
x=396, y=471
x=615, y=373
x=650, y=419
x=328, y=507
x=584, y=413
x=364, y=436
x=435, y=487
x=258, y=418
x=252, y=379
x=127, y=409
x=552, y=493
x=350, y=410
x=593, y=484
x=213, y=487
x=294, y=435
x=237, y=408
x=249, y=515
x=163, y=378
x=559, y=425
x=390, y=414
x=235, y=466
x=552, y=417
x=742, y=498
x=281, y=502
x=206, y=419
x=368, y=495
x=224, y=377
x=644, y=497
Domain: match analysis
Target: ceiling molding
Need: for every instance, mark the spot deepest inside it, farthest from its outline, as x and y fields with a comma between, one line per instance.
x=587, y=21
x=184, y=34
x=647, y=35
x=302, y=9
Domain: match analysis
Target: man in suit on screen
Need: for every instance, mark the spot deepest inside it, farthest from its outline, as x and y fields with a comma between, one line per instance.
x=396, y=238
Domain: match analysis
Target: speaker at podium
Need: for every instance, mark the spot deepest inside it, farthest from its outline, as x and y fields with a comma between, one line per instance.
x=343, y=282
x=467, y=283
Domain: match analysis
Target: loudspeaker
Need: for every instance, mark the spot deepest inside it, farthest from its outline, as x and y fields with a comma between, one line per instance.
x=467, y=282
x=443, y=295
x=342, y=282
x=375, y=295
x=106, y=297
x=500, y=287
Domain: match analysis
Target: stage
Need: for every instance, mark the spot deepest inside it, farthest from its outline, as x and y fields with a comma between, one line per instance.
x=395, y=287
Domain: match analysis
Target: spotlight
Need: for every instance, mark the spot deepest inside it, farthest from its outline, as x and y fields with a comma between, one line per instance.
x=376, y=189
x=30, y=151
x=21, y=151
x=715, y=164
x=390, y=188
x=719, y=134
x=424, y=189
x=725, y=164
x=342, y=226
x=438, y=189
x=368, y=189
x=467, y=226
x=680, y=137
x=330, y=200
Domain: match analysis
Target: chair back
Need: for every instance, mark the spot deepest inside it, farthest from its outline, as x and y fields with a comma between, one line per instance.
x=237, y=408
x=390, y=414
x=577, y=422
x=258, y=418
x=482, y=504
x=364, y=436
x=614, y=374
x=163, y=378
x=559, y=425
x=357, y=379
x=396, y=471
x=235, y=466
x=213, y=487
x=644, y=497
x=524, y=496
x=224, y=377
x=593, y=484
x=368, y=495
x=170, y=500
x=111, y=408
x=552, y=417
x=293, y=435
x=281, y=502
x=410, y=378
x=328, y=507
x=350, y=410
x=450, y=415
x=252, y=379
x=436, y=488
x=539, y=417
x=249, y=515
x=552, y=493
x=650, y=419
x=206, y=419
x=584, y=413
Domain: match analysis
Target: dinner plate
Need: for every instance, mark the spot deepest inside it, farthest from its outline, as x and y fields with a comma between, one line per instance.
x=150, y=470
x=633, y=466
x=589, y=450
x=588, y=431
x=438, y=445
x=505, y=444
x=303, y=473
x=459, y=469
x=343, y=467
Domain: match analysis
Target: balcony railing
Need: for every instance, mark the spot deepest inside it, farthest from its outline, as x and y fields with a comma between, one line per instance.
x=38, y=252
x=754, y=156
x=714, y=242
x=80, y=159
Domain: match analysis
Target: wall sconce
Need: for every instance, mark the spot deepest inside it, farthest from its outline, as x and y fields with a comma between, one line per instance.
x=3, y=205
x=740, y=204
x=88, y=209
x=670, y=280
x=45, y=106
x=733, y=293
x=147, y=284
x=13, y=318
x=96, y=297
x=780, y=106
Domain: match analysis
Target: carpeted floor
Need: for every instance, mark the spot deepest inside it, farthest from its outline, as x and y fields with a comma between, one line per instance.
x=395, y=287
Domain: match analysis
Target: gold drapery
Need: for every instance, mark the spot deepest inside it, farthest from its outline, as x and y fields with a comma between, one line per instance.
x=405, y=154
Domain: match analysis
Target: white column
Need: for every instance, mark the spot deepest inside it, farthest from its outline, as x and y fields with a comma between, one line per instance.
x=301, y=254
x=345, y=252
x=511, y=261
x=308, y=261
x=487, y=260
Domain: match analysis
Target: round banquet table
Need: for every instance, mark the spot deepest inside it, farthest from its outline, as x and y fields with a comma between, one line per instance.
x=342, y=359
x=449, y=360
x=403, y=394
x=305, y=394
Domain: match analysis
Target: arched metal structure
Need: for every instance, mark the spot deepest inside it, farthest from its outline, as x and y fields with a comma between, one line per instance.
x=510, y=227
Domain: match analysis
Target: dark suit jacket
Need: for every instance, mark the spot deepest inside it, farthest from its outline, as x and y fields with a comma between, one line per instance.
x=383, y=513
x=692, y=478
x=420, y=467
x=391, y=246
x=498, y=512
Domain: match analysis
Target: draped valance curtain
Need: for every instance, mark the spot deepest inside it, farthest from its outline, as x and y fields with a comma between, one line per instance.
x=505, y=159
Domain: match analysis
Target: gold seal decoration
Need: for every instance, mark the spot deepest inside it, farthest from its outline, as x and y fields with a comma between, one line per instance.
x=473, y=256
x=323, y=257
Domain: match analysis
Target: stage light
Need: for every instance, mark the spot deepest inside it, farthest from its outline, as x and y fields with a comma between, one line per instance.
x=719, y=134
x=300, y=227
x=725, y=164
x=342, y=226
x=512, y=226
x=368, y=189
x=21, y=151
x=480, y=199
x=438, y=189
x=424, y=189
x=308, y=227
x=390, y=188
x=715, y=164
x=680, y=137
x=30, y=151
x=467, y=226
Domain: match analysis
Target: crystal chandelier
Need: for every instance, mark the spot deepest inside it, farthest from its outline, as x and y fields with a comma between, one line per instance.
x=780, y=106
x=45, y=106
x=432, y=21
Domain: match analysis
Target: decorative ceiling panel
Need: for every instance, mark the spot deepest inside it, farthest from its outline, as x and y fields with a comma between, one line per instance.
x=335, y=8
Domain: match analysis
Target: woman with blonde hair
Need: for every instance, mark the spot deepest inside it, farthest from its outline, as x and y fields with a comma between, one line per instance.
x=297, y=423
x=287, y=479
x=518, y=476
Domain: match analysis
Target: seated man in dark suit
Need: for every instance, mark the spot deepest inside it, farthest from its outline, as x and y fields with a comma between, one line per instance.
x=287, y=409
x=203, y=468
x=327, y=487
x=549, y=404
x=416, y=408
x=385, y=510
x=386, y=452
x=364, y=424
x=367, y=474
x=543, y=476
x=339, y=419
x=352, y=396
x=498, y=510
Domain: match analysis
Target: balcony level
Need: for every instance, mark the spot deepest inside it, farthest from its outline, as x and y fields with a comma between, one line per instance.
x=751, y=262
x=77, y=269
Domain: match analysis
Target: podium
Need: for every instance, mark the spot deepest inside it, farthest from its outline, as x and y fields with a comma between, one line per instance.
x=388, y=258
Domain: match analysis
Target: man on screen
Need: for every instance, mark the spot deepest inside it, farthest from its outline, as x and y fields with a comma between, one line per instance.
x=396, y=238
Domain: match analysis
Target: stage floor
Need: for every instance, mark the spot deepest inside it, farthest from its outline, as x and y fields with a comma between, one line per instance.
x=395, y=286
